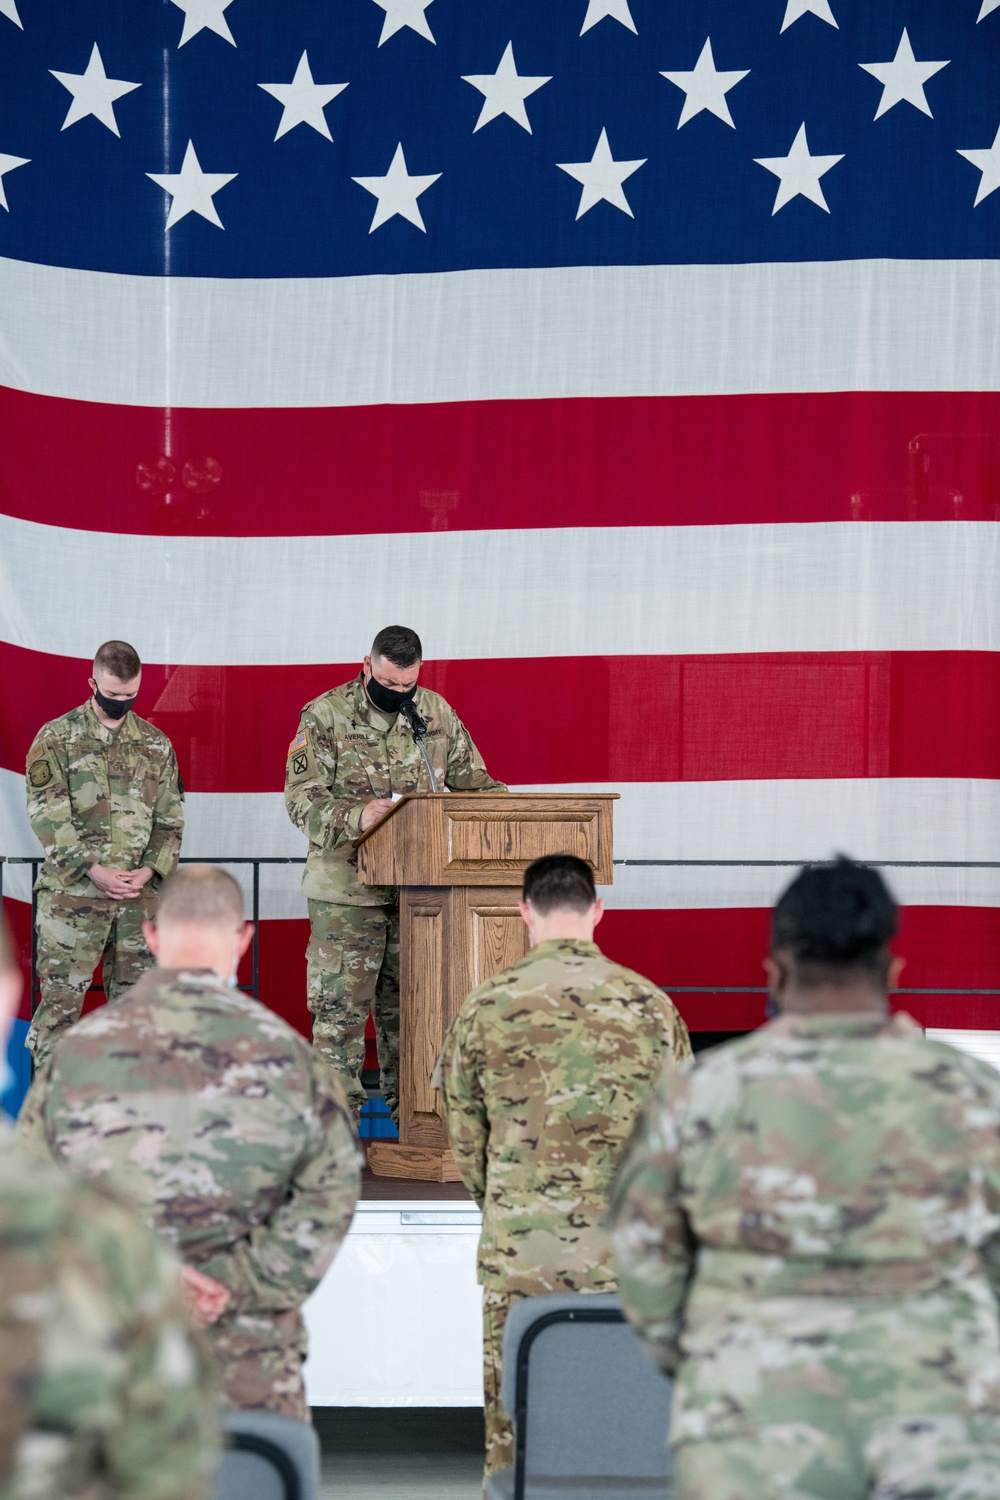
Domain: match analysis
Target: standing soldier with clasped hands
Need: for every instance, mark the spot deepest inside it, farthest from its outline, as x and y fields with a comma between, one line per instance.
x=356, y=750
x=106, y=802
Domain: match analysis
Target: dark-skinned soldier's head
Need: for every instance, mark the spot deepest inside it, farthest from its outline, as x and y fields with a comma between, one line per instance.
x=830, y=936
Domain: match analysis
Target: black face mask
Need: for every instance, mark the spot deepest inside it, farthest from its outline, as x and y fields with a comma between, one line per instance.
x=389, y=700
x=115, y=708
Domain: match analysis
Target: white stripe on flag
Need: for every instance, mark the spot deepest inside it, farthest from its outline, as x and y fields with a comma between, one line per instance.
x=875, y=325
x=907, y=819
x=825, y=586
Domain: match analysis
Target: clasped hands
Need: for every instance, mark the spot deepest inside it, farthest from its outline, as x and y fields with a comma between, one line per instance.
x=207, y=1299
x=120, y=885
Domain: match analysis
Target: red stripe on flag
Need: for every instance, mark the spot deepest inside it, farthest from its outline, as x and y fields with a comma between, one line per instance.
x=571, y=720
x=945, y=947
x=664, y=461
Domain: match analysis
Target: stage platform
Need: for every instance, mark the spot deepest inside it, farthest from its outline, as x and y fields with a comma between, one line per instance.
x=397, y=1320
x=395, y=1189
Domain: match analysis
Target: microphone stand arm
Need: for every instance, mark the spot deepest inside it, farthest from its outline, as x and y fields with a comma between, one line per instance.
x=427, y=761
x=419, y=728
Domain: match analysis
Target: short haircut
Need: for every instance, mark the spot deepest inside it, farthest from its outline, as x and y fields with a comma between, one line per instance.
x=559, y=882
x=120, y=659
x=399, y=645
x=200, y=893
x=833, y=918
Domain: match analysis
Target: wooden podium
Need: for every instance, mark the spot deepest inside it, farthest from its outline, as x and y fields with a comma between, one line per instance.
x=458, y=860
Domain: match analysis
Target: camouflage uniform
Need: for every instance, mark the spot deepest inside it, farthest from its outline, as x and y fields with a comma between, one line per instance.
x=345, y=754
x=103, y=1392
x=541, y=1074
x=96, y=796
x=217, y=1119
x=808, y=1231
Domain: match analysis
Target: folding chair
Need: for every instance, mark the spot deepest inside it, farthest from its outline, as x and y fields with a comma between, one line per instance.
x=590, y=1410
x=267, y=1457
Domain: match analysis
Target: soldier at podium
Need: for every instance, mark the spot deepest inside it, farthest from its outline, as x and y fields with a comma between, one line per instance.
x=357, y=748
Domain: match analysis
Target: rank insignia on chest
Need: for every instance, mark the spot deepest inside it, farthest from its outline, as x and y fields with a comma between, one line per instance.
x=300, y=763
x=39, y=773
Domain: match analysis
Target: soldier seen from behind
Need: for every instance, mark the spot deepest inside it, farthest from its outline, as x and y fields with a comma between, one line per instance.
x=357, y=747
x=223, y=1125
x=807, y=1232
x=106, y=803
x=103, y=1390
x=542, y=1074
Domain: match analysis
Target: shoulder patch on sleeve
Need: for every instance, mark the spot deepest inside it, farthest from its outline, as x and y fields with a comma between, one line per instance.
x=298, y=754
x=40, y=772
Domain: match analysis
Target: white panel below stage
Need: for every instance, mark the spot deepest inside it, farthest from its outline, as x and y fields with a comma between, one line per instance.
x=982, y=1044
x=397, y=1320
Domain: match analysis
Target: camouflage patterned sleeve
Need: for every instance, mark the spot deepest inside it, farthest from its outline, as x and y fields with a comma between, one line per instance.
x=466, y=770
x=50, y=811
x=31, y=1125
x=989, y=1166
x=282, y=1261
x=990, y=1251
x=456, y=1076
x=166, y=1445
x=109, y=1392
x=676, y=1038
x=649, y=1229
x=310, y=790
x=164, y=847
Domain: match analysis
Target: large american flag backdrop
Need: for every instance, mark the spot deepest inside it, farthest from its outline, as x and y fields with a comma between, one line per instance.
x=642, y=354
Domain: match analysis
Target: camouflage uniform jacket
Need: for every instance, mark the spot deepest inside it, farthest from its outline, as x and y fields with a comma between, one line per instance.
x=218, y=1121
x=342, y=758
x=103, y=796
x=823, y=1157
x=103, y=1392
x=542, y=1074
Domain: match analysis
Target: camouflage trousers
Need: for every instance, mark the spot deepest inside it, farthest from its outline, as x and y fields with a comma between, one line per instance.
x=499, y=1429
x=258, y=1362
x=834, y=1398
x=74, y=934
x=353, y=968
x=930, y=1458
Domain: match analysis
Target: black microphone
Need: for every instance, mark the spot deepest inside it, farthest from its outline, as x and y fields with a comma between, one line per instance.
x=419, y=727
x=416, y=723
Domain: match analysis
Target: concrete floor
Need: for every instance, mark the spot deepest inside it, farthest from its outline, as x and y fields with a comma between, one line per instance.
x=401, y=1453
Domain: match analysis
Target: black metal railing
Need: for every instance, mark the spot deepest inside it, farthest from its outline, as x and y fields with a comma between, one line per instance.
x=36, y=861
x=256, y=861
x=795, y=864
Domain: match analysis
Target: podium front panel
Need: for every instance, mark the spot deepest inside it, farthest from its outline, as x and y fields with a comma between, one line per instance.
x=424, y=962
x=498, y=938
x=484, y=844
x=453, y=939
x=485, y=838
